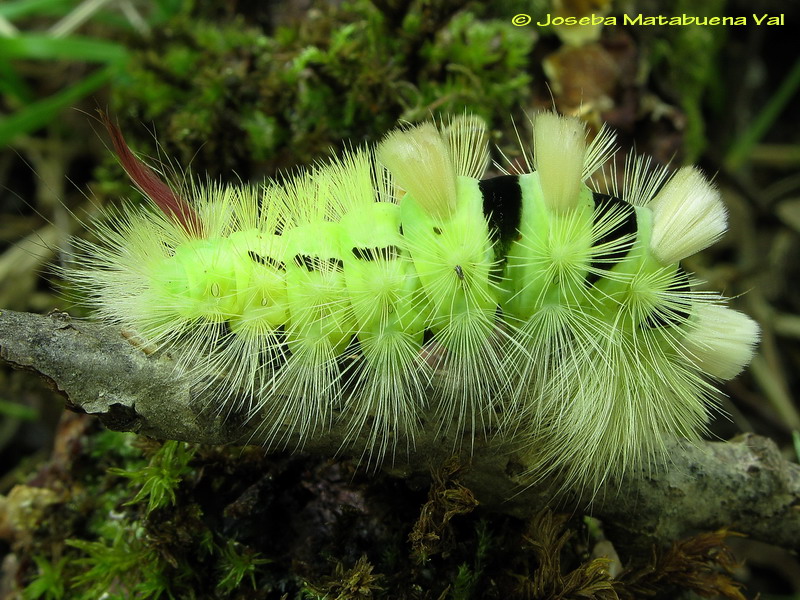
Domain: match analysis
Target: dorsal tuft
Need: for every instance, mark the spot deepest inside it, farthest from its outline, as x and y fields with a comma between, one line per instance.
x=420, y=162
x=688, y=216
x=559, y=150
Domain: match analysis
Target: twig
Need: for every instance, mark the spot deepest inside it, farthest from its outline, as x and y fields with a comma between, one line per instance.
x=745, y=484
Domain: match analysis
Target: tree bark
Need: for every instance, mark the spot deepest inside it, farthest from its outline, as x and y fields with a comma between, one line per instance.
x=744, y=484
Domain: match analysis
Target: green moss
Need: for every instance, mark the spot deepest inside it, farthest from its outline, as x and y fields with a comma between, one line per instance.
x=467, y=579
x=237, y=564
x=475, y=63
x=153, y=545
x=49, y=583
x=356, y=583
x=236, y=97
x=122, y=561
x=158, y=480
x=245, y=526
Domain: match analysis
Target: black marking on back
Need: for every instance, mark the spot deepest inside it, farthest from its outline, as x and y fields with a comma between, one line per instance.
x=303, y=260
x=385, y=253
x=679, y=311
x=314, y=263
x=603, y=206
x=502, y=207
x=267, y=261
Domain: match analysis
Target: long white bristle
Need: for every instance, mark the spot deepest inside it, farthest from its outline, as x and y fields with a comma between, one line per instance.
x=642, y=179
x=599, y=151
x=467, y=140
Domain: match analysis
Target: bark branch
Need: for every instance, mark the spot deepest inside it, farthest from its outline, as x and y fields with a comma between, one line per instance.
x=744, y=484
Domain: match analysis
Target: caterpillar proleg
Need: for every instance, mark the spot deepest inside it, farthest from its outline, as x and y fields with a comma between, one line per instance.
x=398, y=288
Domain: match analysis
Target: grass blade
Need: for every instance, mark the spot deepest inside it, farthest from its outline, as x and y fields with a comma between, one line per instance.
x=39, y=113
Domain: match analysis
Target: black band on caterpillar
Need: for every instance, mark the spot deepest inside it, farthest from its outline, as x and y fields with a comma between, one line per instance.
x=502, y=207
x=384, y=253
x=314, y=263
x=604, y=206
x=267, y=261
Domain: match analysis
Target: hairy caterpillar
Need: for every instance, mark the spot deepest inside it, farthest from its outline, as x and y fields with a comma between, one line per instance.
x=525, y=304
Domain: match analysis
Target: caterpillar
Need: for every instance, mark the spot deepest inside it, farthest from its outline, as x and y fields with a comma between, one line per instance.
x=396, y=288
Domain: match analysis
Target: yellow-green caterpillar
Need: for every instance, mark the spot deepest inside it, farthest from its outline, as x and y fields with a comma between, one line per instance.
x=526, y=304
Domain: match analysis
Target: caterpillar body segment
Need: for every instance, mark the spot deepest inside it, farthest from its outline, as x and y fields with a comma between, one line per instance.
x=319, y=328
x=397, y=289
x=261, y=297
x=448, y=239
x=454, y=259
x=550, y=257
x=390, y=312
x=296, y=400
